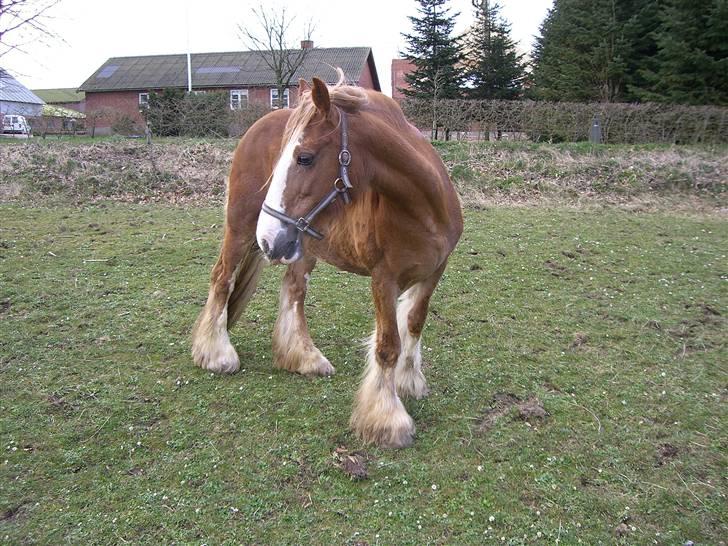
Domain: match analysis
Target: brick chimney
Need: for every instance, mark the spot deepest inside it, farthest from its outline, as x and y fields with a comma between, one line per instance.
x=306, y=44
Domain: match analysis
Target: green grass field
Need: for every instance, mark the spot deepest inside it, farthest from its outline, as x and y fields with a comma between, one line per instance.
x=613, y=322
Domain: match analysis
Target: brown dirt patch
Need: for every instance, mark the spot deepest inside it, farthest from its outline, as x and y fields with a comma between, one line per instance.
x=11, y=514
x=580, y=338
x=664, y=453
x=352, y=464
x=530, y=410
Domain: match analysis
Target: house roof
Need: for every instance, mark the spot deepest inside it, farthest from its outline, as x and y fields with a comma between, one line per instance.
x=51, y=96
x=51, y=110
x=11, y=90
x=237, y=68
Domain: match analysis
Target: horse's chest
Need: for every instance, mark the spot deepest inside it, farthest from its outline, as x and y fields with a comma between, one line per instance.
x=353, y=252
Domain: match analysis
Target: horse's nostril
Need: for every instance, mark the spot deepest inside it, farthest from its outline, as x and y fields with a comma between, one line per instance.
x=264, y=247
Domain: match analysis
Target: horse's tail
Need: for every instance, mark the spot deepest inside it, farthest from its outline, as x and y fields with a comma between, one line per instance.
x=246, y=281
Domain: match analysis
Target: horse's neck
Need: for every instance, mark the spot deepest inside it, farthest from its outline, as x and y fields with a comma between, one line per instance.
x=409, y=174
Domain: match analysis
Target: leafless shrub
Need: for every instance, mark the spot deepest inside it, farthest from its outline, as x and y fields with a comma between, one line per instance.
x=241, y=120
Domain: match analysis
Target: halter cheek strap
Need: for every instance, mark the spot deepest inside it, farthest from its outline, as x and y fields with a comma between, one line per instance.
x=342, y=185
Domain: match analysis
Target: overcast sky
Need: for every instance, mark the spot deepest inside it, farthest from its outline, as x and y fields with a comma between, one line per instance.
x=91, y=31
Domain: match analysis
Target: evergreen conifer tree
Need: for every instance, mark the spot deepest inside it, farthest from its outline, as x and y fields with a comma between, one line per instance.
x=691, y=62
x=435, y=53
x=495, y=69
x=624, y=50
x=581, y=52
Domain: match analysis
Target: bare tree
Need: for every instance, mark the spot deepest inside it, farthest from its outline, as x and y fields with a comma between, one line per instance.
x=23, y=21
x=272, y=40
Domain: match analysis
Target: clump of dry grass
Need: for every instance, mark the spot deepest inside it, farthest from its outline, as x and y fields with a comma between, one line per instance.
x=577, y=174
x=120, y=170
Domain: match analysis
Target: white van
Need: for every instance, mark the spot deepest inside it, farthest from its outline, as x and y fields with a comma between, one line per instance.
x=16, y=125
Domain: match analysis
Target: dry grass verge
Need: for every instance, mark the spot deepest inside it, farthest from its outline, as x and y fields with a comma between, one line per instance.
x=486, y=173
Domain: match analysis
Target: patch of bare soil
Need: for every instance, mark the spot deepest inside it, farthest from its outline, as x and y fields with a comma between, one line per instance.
x=664, y=453
x=580, y=338
x=692, y=331
x=530, y=410
x=622, y=530
x=12, y=513
x=352, y=464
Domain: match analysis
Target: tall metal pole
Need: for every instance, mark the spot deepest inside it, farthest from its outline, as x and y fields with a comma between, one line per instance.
x=189, y=57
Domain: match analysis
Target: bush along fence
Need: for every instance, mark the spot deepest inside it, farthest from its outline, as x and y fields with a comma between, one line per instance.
x=173, y=112
x=613, y=123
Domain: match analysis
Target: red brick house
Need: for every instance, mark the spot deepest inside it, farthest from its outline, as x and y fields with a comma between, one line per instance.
x=121, y=86
x=400, y=67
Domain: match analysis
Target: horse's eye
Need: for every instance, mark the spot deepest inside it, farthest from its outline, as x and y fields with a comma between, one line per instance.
x=305, y=159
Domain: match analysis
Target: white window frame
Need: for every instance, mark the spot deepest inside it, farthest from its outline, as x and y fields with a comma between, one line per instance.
x=238, y=99
x=274, y=98
x=143, y=100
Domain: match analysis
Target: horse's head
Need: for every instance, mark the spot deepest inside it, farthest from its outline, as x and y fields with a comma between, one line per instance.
x=310, y=173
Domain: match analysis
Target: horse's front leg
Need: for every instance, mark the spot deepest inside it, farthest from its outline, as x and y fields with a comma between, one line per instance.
x=379, y=416
x=293, y=349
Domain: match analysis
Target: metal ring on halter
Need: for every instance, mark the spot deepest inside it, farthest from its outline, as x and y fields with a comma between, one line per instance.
x=344, y=158
x=340, y=185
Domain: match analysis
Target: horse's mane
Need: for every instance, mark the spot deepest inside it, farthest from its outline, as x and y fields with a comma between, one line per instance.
x=347, y=97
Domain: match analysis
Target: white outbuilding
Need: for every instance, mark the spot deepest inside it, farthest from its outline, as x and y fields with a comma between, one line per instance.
x=16, y=99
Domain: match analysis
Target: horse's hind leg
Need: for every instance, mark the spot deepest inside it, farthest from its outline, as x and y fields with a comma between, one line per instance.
x=379, y=416
x=411, y=315
x=293, y=349
x=232, y=283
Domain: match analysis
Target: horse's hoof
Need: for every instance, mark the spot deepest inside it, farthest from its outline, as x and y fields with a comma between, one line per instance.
x=223, y=359
x=387, y=429
x=317, y=367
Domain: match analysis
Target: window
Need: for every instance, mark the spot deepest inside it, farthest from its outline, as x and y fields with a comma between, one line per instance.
x=238, y=99
x=143, y=100
x=274, y=102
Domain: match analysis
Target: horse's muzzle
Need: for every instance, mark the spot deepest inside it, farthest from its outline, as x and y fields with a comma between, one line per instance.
x=285, y=248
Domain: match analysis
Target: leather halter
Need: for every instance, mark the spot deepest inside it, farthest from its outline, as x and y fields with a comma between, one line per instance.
x=342, y=185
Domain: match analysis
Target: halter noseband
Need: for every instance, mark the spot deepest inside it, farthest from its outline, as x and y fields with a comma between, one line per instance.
x=342, y=185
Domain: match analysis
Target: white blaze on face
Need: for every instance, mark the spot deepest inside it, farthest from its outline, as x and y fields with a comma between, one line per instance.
x=268, y=226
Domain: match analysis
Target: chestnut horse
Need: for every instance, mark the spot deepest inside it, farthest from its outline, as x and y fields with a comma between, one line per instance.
x=344, y=178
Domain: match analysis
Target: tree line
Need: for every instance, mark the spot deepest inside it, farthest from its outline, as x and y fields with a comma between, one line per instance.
x=665, y=51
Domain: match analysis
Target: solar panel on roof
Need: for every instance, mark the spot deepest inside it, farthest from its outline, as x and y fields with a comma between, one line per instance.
x=217, y=70
x=108, y=71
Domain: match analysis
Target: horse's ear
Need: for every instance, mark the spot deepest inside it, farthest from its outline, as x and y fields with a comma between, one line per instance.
x=320, y=95
x=303, y=87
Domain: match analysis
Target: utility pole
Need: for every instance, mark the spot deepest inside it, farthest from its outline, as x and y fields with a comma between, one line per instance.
x=189, y=57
